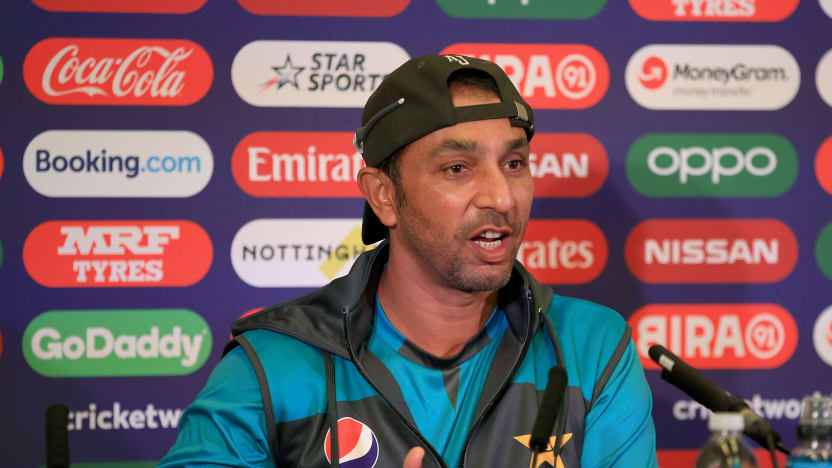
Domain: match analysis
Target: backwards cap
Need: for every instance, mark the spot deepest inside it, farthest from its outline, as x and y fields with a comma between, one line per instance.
x=414, y=100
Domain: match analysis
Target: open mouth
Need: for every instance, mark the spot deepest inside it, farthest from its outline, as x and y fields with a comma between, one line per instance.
x=489, y=240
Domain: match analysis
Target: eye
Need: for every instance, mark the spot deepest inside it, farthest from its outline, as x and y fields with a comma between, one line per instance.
x=516, y=164
x=455, y=168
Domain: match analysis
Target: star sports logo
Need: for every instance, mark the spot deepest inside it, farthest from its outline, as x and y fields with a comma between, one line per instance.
x=284, y=74
x=653, y=73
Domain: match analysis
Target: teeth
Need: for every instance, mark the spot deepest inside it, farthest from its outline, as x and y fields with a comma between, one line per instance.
x=490, y=234
x=490, y=245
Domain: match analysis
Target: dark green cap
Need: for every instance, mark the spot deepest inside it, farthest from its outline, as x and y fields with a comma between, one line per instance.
x=414, y=100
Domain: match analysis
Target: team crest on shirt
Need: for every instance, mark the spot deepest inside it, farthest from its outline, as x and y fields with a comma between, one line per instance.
x=357, y=445
x=543, y=457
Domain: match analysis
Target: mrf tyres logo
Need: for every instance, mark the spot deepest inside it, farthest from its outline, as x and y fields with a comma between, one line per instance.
x=717, y=336
x=120, y=6
x=567, y=164
x=109, y=163
x=712, y=77
x=117, y=253
x=548, y=76
x=712, y=165
x=109, y=71
x=714, y=10
x=98, y=343
x=312, y=73
x=528, y=9
x=711, y=251
x=563, y=251
x=295, y=252
x=297, y=164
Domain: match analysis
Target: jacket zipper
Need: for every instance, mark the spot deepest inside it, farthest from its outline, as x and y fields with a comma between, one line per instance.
x=516, y=366
x=367, y=378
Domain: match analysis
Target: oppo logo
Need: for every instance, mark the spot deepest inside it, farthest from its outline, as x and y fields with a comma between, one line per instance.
x=312, y=73
x=712, y=77
x=109, y=163
x=717, y=336
x=98, y=343
x=117, y=253
x=823, y=165
x=354, y=8
x=567, y=164
x=110, y=71
x=823, y=76
x=295, y=252
x=548, y=76
x=712, y=165
x=711, y=251
x=714, y=10
x=297, y=164
x=121, y=6
x=563, y=251
x=521, y=9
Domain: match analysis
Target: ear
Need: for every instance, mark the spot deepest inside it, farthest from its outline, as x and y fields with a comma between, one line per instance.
x=379, y=192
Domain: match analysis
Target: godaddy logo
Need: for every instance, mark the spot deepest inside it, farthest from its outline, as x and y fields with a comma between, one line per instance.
x=97, y=343
x=712, y=165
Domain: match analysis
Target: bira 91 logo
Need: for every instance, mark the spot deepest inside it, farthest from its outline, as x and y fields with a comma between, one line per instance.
x=122, y=72
x=823, y=76
x=570, y=251
x=312, y=73
x=712, y=165
x=712, y=77
x=717, y=336
x=714, y=10
x=121, y=6
x=99, y=343
x=823, y=165
x=529, y=9
x=353, y=8
x=297, y=164
x=567, y=164
x=79, y=254
x=301, y=253
x=548, y=76
x=711, y=251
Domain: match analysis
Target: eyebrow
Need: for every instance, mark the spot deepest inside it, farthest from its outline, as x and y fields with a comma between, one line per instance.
x=471, y=146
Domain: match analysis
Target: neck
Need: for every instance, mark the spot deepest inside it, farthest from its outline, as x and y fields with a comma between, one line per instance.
x=434, y=317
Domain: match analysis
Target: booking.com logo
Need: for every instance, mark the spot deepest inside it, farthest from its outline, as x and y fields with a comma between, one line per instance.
x=100, y=161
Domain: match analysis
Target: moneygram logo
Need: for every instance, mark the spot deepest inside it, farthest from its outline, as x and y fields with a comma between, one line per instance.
x=717, y=336
x=822, y=335
x=548, y=76
x=567, y=164
x=712, y=165
x=312, y=73
x=823, y=77
x=353, y=8
x=295, y=252
x=711, y=251
x=130, y=163
x=823, y=165
x=718, y=10
x=123, y=72
x=105, y=343
x=121, y=6
x=297, y=164
x=712, y=77
x=563, y=251
x=530, y=9
x=79, y=254
x=653, y=73
x=823, y=251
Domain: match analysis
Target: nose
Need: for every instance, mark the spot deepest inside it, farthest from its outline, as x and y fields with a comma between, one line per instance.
x=494, y=190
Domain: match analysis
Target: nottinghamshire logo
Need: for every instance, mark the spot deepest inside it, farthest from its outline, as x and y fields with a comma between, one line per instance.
x=712, y=165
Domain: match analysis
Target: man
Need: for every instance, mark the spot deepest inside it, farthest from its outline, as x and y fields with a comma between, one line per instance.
x=437, y=339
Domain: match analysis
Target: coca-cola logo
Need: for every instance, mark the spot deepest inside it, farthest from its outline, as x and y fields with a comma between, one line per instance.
x=138, y=72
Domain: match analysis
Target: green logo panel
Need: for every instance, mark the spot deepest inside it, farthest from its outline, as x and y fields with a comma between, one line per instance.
x=1, y=69
x=712, y=165
x=126, y=342
x=823, y=251
x=522, y=9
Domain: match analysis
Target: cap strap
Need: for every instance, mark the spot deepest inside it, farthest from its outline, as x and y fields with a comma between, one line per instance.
x=487, y=111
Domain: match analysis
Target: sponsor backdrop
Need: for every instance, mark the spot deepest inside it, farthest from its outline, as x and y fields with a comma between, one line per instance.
x=168, y=166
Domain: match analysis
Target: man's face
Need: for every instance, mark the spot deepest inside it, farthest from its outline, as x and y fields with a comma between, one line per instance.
x=468, y=192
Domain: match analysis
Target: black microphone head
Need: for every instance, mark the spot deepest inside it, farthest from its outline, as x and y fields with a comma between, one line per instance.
x=548, y=413
x=57, y=440
x=656, y=351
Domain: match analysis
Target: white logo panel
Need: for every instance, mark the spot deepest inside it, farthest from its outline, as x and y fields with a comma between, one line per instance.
x=823, y=77
x=822, y=335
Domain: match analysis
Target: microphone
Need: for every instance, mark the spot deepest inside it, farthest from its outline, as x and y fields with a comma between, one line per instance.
x=57, y=440
x=545, y=421
x=708, y=394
